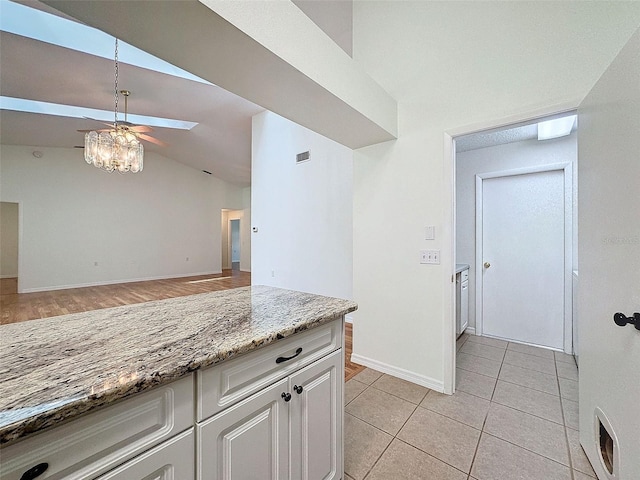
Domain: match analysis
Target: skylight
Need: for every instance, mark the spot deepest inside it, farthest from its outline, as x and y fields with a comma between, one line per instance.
x=558, y=127
x=32, y=106
x=45, y=27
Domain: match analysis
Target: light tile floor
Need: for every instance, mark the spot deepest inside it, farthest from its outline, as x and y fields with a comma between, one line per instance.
x=514, y=416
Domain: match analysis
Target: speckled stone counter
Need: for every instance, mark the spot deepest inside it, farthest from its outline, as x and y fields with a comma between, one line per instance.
x=60, y=367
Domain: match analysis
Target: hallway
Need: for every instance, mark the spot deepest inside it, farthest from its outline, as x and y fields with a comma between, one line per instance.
x=514, y=416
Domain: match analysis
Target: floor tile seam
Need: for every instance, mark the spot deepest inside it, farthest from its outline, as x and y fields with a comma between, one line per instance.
x=397, y=396
x=532, y=369
x=566, y=435
x=378, y=459
x=486, y=345
x=531, y=451
x=437, y=458
x=495, y=385
x=473, y=394
x=534, y=356
x=526, y=413
x=475, y=453
x=454, y=419
x=384, y=431
x=530, y=388
x=538, y=416
x=486, y=358
x=553, y=358
x=471, y=371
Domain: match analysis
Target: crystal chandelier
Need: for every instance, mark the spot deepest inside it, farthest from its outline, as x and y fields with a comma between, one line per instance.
x=117, y=148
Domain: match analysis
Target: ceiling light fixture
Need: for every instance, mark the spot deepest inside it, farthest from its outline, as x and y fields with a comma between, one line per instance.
x=117, y=148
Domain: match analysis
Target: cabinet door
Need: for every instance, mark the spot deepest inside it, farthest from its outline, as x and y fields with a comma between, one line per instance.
x=247, y=441
x=316, y=420
x=169, y=461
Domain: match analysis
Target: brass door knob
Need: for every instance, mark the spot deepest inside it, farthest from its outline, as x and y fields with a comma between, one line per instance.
x=487, y=264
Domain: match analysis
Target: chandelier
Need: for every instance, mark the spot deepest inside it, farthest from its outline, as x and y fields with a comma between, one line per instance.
x=118, y=148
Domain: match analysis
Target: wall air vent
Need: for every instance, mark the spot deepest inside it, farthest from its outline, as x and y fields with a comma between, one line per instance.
x=303, y=157
x=208, y=173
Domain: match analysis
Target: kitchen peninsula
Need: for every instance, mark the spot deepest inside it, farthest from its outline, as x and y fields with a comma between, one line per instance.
x=208, y=386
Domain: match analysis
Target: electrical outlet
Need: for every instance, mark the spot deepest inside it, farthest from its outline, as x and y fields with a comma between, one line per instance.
x=430, y=257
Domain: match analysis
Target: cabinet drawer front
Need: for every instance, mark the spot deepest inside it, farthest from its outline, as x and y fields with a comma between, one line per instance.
x=172, y=460
x=231, y=381
x=99, y=441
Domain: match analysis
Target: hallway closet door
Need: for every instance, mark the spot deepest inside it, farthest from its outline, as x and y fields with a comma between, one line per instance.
x=523, y=255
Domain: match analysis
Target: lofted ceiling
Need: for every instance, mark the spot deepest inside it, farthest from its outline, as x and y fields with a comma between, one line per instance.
x=35, y=70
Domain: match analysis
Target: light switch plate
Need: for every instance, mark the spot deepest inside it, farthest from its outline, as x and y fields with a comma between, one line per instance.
x=430, y=232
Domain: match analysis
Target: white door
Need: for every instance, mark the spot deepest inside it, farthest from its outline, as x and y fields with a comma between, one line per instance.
x=523, y=252
x=609, y=264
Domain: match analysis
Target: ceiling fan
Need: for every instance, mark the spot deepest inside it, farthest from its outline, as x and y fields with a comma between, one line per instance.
x=139, y=131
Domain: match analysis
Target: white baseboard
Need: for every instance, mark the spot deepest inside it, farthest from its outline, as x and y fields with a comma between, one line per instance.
x=412, y=377
x=470, y=330
x=113, y=282
x=9, y=276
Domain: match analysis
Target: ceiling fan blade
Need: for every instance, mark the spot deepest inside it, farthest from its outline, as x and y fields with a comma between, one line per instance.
x=101, y=130
x=140, y=128
x=78, y=146
x=142, y=136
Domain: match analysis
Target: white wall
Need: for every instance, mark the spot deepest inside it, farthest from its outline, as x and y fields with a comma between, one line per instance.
x=302, y=211
x=8, y=240
x=450, y=65
x=140, y=226
x=492, y=159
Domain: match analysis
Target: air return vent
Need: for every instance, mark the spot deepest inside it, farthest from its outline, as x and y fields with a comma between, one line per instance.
x=303, y=157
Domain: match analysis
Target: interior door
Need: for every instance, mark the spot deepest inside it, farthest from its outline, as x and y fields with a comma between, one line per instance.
x=523, y=258
x=609, y=266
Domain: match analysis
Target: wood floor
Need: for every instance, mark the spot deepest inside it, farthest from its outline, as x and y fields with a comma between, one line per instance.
x=20, y=307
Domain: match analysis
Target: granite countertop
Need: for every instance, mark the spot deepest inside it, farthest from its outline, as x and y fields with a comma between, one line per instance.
x=56, y=368
x=461, y=267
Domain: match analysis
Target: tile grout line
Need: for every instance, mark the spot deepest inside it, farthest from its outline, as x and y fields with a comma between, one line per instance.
x=564, y=422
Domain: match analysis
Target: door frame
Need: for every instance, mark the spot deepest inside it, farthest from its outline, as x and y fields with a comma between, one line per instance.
x=449, y=218
x=567, y=169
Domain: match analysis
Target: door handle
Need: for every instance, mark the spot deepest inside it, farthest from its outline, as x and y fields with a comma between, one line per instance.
x=621, y=320
x=487, y=264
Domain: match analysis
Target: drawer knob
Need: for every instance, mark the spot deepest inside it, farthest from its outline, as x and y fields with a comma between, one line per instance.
x=35, y=472
x=298, y=389
x=285, y=359
x=286, y=396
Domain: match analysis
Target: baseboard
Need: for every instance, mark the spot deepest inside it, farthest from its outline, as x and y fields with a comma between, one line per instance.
x=470, y=330
x=348, y=318
x=113, y=282
x=8, y=276
x=412, y=377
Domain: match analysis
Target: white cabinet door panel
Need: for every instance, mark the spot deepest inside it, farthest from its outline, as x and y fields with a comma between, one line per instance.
x=316, y=420
x=247, y=441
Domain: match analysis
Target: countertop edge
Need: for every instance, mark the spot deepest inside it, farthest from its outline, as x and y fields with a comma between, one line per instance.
x=15, y=432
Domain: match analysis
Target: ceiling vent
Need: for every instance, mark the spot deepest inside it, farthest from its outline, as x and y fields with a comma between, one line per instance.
x=303, y=157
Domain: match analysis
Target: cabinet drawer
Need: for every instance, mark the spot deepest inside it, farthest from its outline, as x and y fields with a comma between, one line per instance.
x=99, y=441
x=232, y=380
x=171, y=460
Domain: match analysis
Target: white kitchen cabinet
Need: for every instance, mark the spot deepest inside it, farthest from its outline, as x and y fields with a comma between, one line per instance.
x=289, y=430
x=171, y=460
x=316, y=420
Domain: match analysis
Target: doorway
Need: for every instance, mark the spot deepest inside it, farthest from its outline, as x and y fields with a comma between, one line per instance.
x=9, y=238
x=491, y=149
x=234, y=227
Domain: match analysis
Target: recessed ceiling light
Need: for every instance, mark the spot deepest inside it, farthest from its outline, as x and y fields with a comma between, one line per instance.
x=46, y=108
x=558, y=127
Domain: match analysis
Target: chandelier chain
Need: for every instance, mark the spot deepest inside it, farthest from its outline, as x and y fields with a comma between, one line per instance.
x=115, y=122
